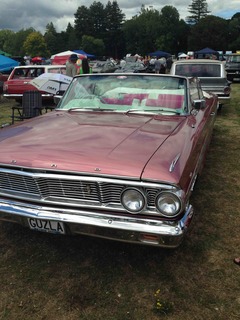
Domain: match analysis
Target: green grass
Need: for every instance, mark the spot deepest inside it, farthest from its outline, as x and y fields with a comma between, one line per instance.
x=51, y=277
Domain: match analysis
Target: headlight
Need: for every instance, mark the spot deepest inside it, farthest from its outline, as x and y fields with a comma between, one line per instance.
x=133, y=200
x=168, y=204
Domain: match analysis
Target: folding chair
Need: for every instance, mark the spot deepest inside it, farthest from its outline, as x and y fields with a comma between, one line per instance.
x=31, y=106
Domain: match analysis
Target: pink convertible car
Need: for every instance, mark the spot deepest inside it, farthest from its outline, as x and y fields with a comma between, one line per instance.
x=118, y=158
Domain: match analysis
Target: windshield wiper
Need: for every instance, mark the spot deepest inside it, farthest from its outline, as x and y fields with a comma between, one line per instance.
x=90, y=109
x=152, y=111
x=163, y=110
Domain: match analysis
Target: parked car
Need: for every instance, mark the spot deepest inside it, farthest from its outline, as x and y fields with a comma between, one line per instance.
x=136, y=67
x=118, y=158
x=19, y=80
x=106, y=66
x=232, y=66
x=211, y=73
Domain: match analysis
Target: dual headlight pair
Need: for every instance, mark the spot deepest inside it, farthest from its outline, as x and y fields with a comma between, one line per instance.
x=167, y=203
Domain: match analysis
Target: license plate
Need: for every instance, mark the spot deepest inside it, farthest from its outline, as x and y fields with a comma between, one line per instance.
x=46, y=226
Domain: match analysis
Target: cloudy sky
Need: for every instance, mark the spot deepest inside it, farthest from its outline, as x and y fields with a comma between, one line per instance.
x=17, y=15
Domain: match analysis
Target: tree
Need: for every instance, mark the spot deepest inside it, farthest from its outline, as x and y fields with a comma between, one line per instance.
x=141, y=32
x=198, y=10
x=113, y=38
x=98, y=18
x=92, y=45
x=4, y=36
x=210, y=32
x=101, y=23
x=51, y=38
x=72, y=41
x=14, y=43
x=234, y=32
x=82, y=22
x=168, y=37
x=35, y=45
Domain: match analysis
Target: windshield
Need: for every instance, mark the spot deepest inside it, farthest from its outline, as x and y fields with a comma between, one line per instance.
x=233, y=58
x=126, y=93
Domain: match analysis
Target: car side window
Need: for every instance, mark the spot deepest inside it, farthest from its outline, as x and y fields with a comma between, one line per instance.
x=18, y=73
x=39, y=72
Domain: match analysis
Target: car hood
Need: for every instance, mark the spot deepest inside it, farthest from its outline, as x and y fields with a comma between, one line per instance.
x=96, y=143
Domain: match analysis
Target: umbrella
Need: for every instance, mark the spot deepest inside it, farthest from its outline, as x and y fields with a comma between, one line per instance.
x=37, y=59
x=51, y=82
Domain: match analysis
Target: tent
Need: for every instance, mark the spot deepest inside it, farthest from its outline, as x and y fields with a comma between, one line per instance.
x=6, y=64
x=183, y=56
x=62, y=57
x=205, y=52
x=88, y=55
x=160, y=54
x=64, y=53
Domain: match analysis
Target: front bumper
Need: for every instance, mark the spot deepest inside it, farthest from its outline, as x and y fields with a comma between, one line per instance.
x=167, y=234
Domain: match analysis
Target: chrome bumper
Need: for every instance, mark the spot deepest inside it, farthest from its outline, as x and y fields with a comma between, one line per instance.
x=168, y=234
x=20, y=95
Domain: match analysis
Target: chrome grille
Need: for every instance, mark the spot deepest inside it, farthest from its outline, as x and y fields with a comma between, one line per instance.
x=18, y=183
x=69, y=189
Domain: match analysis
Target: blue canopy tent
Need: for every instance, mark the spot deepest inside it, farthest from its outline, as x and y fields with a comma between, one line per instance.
x=160, y=54
x=84, y=53
x=6, y=64
x=203, y=53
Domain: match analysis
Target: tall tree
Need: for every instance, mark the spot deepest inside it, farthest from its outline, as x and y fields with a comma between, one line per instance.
x=168, y=36
x=142, y=31
x=72, y=41
x=198, y=10
x=51, y=38
x=113, y=35
x=98, y=18
x=83, y=22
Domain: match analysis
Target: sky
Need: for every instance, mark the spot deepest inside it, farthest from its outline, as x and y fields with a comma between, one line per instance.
x=17, y=15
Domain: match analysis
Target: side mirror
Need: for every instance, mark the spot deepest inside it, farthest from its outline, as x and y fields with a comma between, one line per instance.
x=56, y=99
x=199, y=104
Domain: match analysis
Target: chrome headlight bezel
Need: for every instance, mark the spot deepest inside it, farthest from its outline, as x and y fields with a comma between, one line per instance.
x=168, y=204
x=129, y=196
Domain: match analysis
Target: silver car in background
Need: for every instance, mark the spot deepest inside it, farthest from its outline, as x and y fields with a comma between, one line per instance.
x=211, y=73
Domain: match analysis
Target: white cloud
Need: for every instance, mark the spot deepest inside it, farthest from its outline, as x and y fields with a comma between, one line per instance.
x=17, y=15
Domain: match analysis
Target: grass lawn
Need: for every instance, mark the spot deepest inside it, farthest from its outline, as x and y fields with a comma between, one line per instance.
x=51, y=277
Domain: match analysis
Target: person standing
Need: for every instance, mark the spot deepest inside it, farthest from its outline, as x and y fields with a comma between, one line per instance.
x=85, y=66
x=71, y=65
x=157, y=65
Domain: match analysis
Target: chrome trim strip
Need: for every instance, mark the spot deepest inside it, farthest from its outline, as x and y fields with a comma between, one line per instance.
x=174, y=162
x=82, y=177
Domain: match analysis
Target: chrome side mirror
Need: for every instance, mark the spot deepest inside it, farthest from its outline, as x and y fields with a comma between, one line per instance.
x=199, y=104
